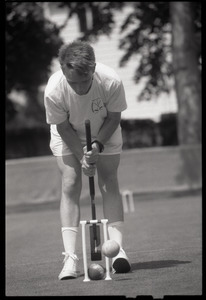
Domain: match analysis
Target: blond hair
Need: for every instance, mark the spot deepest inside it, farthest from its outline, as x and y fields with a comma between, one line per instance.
x=77, y=55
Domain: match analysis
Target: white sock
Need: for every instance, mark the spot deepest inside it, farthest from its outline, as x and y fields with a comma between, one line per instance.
x=115, y=232
x=69, y=236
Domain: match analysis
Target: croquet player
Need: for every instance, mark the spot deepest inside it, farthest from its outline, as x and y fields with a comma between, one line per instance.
x=83, y=89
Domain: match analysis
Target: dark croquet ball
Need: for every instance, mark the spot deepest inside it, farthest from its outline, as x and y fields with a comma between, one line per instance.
x=96, y=272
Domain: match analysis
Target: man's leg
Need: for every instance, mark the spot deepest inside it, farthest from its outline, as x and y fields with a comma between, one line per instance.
x=107, y=167
x=69, y=211
x=71, y=176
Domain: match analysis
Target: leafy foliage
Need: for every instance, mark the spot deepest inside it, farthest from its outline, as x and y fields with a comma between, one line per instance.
x=148, y=37
x=102, y=16
x=31, y=44
x=151, y=41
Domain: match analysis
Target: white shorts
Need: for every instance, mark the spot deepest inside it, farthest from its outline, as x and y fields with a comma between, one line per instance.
x=59, y=147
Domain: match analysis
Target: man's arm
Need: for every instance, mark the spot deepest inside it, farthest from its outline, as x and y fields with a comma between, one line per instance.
x=109, y=126
x=70, y=137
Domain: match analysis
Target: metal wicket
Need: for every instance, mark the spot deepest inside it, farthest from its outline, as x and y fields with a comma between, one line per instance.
x=84, y=250
x=127, y=197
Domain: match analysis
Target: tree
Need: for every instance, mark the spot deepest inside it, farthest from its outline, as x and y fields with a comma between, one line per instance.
x=101, y=14
x=31, y=44
x=150, y=41
x=186, y=72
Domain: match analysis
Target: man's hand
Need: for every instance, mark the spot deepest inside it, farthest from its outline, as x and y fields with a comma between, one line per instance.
x=89, y=160
x=92, y=156
x=88, y=169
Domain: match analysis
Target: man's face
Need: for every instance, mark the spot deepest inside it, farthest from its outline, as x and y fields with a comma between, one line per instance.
x=79, y=83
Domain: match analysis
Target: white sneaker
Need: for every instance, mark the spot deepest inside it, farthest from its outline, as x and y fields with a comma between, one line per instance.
x=69, y=270
x=120, y=263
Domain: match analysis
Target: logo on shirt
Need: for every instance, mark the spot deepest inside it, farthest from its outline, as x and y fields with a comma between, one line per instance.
x=97, y=105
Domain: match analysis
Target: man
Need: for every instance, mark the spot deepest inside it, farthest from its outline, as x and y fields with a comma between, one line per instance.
x=81, y=90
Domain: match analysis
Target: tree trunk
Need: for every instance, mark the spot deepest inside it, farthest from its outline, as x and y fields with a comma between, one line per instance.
x=186, y=73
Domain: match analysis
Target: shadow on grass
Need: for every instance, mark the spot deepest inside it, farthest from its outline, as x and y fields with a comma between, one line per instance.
x=157, y=264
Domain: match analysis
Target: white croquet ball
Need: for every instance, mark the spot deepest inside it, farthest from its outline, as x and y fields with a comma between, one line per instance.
x=110, y=248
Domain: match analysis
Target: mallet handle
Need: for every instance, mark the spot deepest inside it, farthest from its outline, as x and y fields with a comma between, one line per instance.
x=95, y=229
x=91, y=179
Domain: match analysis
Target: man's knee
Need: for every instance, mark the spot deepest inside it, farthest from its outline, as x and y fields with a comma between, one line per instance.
x=71, y=174
x=71, y=185
x=107, y=170
x=107, y=182
x=110, y=177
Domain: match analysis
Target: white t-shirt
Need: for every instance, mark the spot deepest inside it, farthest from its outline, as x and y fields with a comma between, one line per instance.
x=61, y=103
